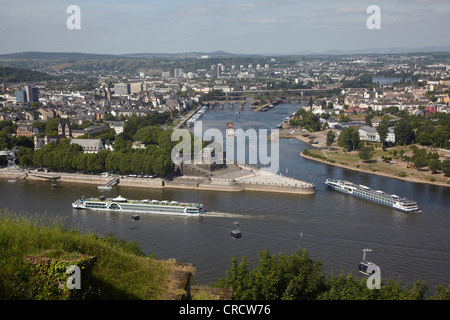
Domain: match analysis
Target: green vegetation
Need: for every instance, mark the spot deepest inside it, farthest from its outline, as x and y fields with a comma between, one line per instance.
x=305, y=119
x=366, y=153
x=8, y=74
x=155, y=158
x=66, y=157
x=297, y=277
x=307, y=152
x=330, y=137
x=445, y=167
x=349, y=139
x=364, y=80
x=121, y=271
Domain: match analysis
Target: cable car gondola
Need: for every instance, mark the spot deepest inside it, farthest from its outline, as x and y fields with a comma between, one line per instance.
x=364, y=264
x=235, y=234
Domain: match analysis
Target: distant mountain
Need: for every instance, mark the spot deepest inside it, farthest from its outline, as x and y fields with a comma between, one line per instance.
x=215, y=54
x=72, y=56
x=61, y=56
x=397, y=50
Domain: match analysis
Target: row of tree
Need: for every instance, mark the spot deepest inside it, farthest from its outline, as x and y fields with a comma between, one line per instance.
x=67, y=157
x=297, y=277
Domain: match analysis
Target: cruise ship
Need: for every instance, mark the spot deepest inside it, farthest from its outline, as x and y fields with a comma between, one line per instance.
x=377, y=196
x=139, y=206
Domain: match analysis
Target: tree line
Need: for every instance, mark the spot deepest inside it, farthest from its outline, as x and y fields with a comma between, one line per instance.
x=297, y=277
x=67, y=157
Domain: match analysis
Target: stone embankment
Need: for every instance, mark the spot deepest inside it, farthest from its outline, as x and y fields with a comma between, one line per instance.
x=235, y=180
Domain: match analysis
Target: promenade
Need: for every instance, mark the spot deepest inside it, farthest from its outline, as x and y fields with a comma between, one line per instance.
x=233, y=178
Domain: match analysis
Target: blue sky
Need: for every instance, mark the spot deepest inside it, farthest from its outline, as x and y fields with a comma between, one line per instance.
x=261, y=26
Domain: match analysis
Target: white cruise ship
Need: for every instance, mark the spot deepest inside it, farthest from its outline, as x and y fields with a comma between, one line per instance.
x=139, y=206
x=377, y=196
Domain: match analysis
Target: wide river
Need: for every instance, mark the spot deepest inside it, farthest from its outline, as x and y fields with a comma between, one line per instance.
x=333, y=227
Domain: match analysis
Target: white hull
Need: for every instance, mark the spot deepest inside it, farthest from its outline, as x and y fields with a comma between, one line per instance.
x=144, y=207
x=377, y=196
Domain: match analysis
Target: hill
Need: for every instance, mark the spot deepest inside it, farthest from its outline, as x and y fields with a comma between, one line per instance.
x=120, y=271
x=8, y=74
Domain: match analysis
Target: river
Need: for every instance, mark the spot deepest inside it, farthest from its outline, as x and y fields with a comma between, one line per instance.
x=333, y=227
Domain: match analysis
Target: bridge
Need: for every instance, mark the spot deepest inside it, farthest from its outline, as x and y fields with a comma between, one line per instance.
x=255, y=104
x=231, y=103
x=245, y=97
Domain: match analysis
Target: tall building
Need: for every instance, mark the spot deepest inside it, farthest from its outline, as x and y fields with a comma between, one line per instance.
x=32, y=94
x=135, y=87
x=177, y=72
x=27, y=94
x=122, y=89
x=21, y=96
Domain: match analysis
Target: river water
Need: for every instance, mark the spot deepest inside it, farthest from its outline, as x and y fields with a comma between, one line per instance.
x=333, y=227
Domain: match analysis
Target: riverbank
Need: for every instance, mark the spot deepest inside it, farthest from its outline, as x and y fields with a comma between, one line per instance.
x=234, y=178
x=369, y=170
x=333, y=155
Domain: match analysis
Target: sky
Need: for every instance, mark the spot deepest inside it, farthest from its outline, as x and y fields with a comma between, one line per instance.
x=244, y=26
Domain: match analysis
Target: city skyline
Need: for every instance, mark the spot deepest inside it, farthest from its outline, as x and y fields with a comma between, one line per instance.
x=252, y=27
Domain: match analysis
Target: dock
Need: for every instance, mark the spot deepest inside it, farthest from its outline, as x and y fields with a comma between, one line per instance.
x=24, y=176
x=109, y=185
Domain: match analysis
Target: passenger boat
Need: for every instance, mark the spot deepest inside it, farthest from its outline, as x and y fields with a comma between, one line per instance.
x=139, y=206
x=377, y=196
x=230, y=129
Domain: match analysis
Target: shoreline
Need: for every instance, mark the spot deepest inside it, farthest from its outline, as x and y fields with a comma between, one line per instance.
x=307, y=139
x=378, y=173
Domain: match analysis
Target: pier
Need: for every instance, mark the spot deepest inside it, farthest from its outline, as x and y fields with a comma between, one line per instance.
x=109, y=185
x=21, y=176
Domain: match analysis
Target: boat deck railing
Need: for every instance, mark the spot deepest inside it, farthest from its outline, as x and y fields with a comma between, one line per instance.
x=155, y=202
x=372, y=191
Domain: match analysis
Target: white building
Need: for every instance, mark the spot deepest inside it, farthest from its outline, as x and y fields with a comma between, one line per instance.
x=118, y=126
x=367, y=133
x=89, y=145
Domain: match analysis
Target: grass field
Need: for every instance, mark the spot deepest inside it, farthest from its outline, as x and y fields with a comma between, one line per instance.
x=396, y=167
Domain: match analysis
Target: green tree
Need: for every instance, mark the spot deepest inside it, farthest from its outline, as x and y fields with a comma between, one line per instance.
x=434, y=165
x=445, y=167
x=420, y=162
x=383, y=130
x=279, y=277
x=349, y=139
x=25, y=156
x=330, y=137
x=404, y=133
x=366, y=153
x=440, y=136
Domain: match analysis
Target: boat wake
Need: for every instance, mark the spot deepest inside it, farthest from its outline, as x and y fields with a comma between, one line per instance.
x=217, y=214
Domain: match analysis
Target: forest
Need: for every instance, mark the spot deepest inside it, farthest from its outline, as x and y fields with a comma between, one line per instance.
x=8, y=74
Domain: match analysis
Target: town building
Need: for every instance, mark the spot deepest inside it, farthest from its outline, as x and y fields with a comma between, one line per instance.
x=89, y=145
